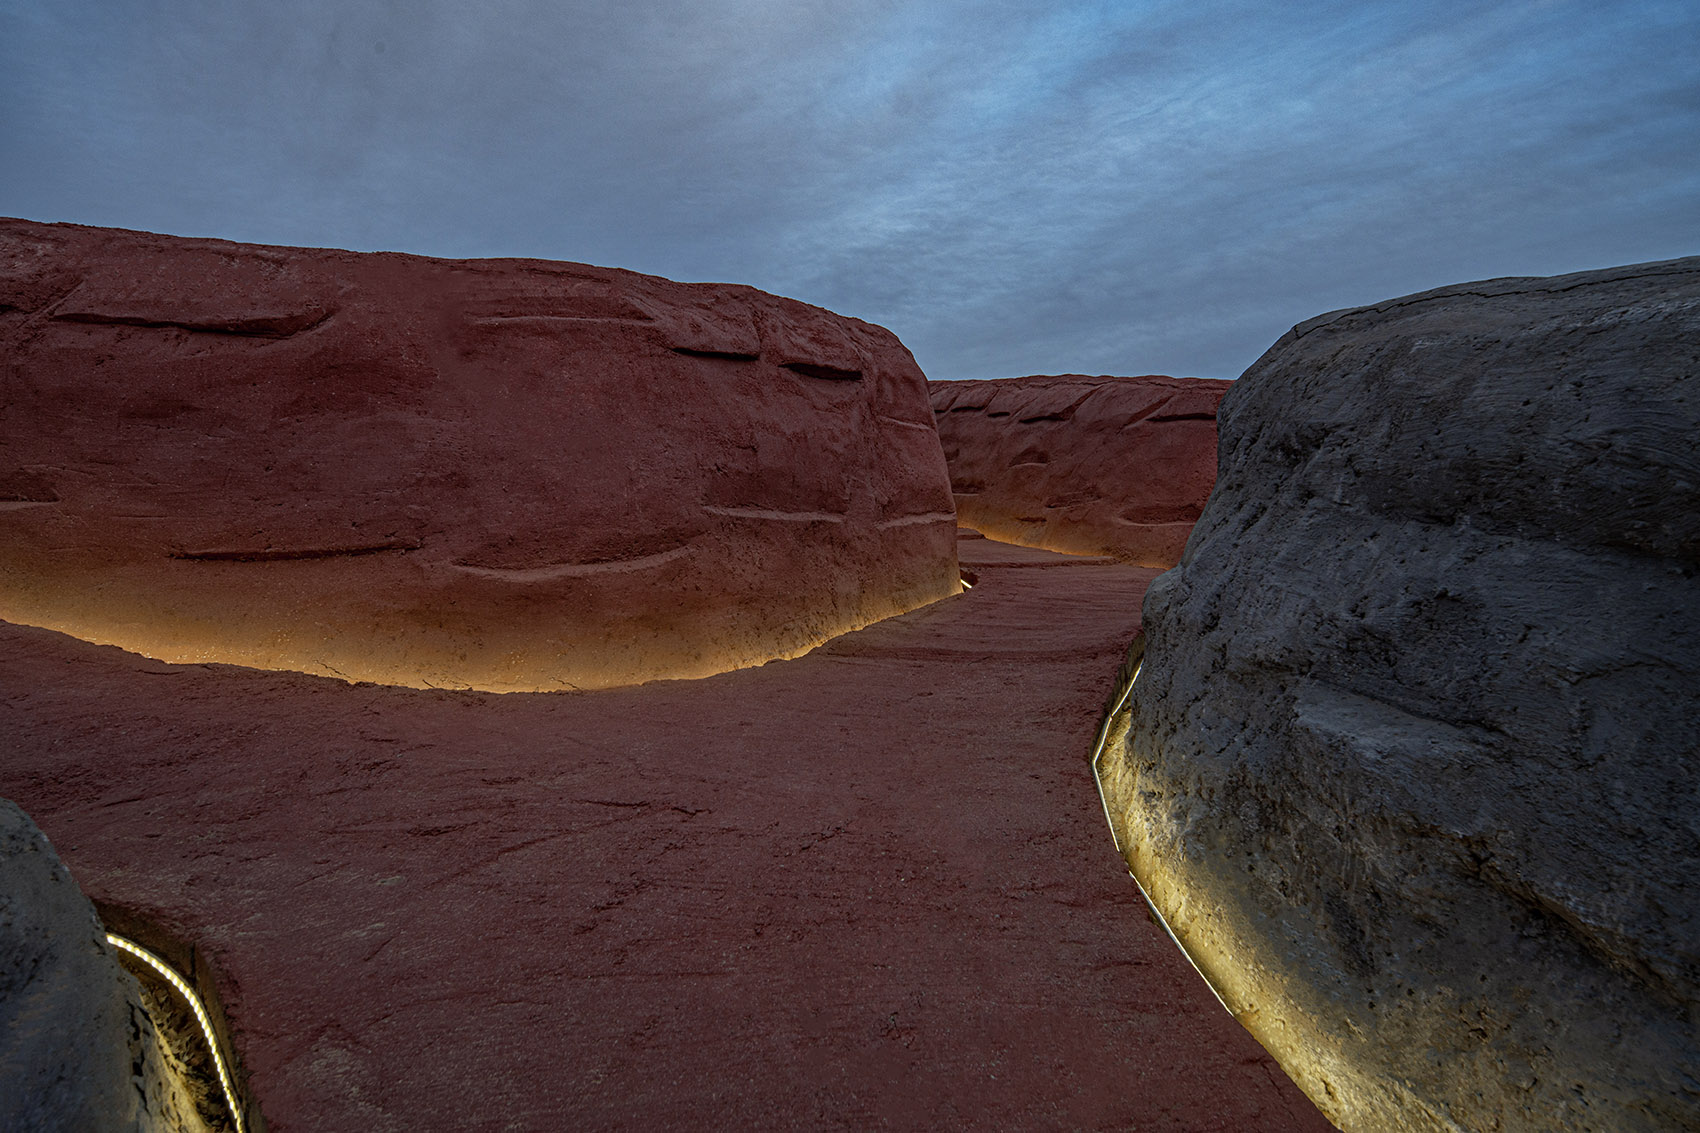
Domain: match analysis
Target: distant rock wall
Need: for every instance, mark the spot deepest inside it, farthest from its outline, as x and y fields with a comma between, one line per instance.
x=1413, y=763
x=504, y=474
x=1100, y=466
x=78, y=1051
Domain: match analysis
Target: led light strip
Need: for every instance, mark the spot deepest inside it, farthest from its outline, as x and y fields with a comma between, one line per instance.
x=1097, y=754
x=195, y=1005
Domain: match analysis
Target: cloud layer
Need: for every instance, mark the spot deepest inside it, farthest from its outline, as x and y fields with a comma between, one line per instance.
x=1108, y=187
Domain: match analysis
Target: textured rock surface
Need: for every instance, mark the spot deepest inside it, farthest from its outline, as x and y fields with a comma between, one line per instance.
x=867, y=888
x=1412, y=760
x=77, y=1051
x=1097, y=466
x=509, y=474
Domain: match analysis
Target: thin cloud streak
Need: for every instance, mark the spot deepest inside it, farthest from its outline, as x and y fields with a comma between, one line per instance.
x=1012, y=188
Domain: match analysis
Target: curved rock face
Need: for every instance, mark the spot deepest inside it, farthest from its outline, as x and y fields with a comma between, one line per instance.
x=77, y=1049
x=1093, y=466
x=505, y=474
x=1411, y=764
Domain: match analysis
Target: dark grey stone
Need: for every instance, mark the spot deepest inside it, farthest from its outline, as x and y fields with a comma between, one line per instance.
x=1412, y=763
x=77, y=1051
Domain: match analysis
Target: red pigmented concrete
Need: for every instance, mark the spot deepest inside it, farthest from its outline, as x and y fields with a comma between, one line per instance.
x=502, y=474
x=868, y=888
x=1099, y=466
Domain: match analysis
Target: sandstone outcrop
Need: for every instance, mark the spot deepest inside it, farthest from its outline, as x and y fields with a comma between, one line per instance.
x=504, y=474
x=1411, y=763
x=77, y=1048
x=1095, y=466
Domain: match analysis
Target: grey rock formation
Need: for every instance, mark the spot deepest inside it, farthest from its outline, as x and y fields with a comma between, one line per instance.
x=78, y=1052
x=1411, y=767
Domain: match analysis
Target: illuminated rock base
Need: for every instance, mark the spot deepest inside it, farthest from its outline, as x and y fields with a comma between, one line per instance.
x=1409, y=767
x=498, y=474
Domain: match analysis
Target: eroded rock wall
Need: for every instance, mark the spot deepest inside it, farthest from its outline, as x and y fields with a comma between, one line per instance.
x=78, y=1051
x=1096, y=466
x=505, y=474
x=1411, y=763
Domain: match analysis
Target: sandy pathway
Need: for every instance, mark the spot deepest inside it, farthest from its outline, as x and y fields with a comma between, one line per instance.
x=868, y=888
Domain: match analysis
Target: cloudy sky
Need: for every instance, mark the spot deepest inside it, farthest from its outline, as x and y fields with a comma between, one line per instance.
x=1121, y=186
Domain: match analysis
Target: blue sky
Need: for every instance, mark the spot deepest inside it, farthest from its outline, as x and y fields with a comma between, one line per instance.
x=1012, y=187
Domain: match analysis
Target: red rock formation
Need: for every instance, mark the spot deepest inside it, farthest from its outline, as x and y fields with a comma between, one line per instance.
x=505, y=474
x=868, y=888
x=1100, y=466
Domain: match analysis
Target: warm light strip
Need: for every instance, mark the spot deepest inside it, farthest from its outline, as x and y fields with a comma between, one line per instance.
x=195, y=1005
x=966, y=585
x=1098, y=750
x=1097, y=753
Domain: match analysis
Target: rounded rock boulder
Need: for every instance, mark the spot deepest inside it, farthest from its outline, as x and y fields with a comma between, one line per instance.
x=499, y=474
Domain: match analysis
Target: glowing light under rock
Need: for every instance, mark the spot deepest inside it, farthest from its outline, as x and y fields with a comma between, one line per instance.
x=553, y=661
x=194, y=1001
x=1097, y=754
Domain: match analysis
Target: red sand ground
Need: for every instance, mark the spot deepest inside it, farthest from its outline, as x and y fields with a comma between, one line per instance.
x=869, y=888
